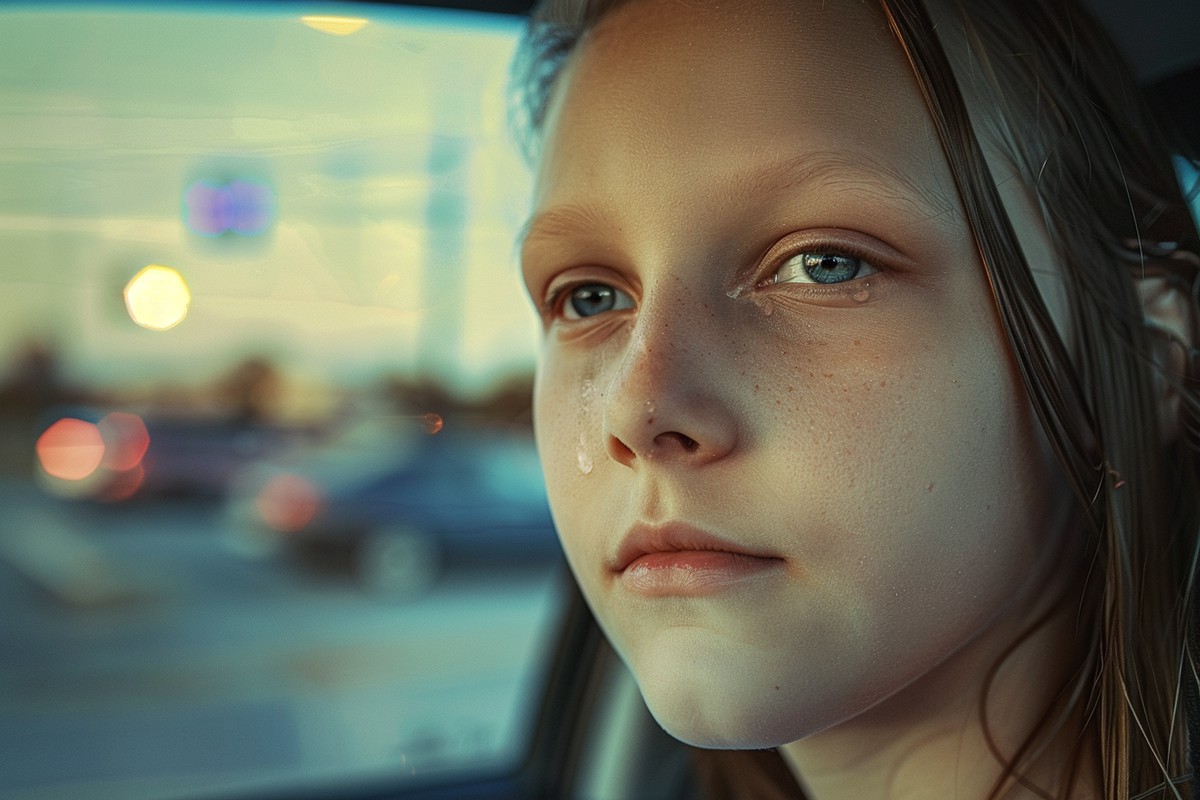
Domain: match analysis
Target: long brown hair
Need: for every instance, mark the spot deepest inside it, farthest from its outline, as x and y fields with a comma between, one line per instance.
x=1055, y=101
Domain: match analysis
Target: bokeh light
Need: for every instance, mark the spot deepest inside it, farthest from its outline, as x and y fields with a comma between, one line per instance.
x=123, y=485
x=243, y=206
x=126, y=440
x=102, y=461
x=336, y=26
x=70, y=449
x=288, y=503
x=433, y=423
x=157, y=298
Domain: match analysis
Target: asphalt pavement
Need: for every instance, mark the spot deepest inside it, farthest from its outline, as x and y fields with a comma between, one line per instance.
x=144, y=657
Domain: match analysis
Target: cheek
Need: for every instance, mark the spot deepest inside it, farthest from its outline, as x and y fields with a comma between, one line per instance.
x=916, y=501
x=911, y=463
x=554, y=412
x=566, y=417
x=566, y=414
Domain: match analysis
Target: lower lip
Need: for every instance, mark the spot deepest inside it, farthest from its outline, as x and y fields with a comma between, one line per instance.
x=693, y=573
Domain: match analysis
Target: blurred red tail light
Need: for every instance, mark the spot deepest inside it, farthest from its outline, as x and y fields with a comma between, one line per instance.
x=288, y=503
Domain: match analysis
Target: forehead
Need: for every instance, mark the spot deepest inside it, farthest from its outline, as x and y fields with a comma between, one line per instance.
x=663, y=93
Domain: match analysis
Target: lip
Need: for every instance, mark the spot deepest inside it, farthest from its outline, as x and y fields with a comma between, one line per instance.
x=679, y=560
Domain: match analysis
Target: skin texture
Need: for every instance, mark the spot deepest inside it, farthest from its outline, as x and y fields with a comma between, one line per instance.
x=872, y=435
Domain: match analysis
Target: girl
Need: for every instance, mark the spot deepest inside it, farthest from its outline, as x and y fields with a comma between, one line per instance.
x=867, y=404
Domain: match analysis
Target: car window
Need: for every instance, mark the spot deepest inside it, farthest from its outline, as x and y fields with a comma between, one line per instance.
x=272, y=517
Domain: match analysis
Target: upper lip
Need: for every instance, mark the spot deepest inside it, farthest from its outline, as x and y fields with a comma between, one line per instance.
x=674, y=537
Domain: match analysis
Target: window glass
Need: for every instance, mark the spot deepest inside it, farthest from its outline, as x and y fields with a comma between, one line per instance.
x=271, y=513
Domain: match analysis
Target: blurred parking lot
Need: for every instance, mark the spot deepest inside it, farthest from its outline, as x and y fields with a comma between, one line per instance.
x=146, y=657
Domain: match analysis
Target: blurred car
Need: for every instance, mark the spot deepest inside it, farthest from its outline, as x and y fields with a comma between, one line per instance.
x=199, y=457
x=92, y=453
x=393, y=505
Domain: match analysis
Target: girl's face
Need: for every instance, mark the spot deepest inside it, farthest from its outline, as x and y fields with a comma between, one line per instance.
x=787, y=450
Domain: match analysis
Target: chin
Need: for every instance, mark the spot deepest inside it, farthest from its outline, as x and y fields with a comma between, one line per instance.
x=726, y=709
x=718, y=724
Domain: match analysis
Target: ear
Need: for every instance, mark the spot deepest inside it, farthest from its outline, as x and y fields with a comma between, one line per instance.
x=1168, y=313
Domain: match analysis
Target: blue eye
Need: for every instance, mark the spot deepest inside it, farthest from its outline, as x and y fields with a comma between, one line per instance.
x=821, y=268
x=591, y=299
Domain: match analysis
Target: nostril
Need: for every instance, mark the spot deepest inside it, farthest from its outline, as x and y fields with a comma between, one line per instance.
x=620, y=451
x=686, y=442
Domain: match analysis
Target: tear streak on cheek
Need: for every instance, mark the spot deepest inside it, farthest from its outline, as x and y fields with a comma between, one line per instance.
x=584, y=423
x=587, y=420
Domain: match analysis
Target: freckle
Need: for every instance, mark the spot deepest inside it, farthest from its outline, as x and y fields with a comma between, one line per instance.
x=929, y=488
x=791, y=388
x=857, y=342
x=756, y=387
x=828, y=374
x=649, y=420
x=777, y=403
x=882, y=384
x=777, y=688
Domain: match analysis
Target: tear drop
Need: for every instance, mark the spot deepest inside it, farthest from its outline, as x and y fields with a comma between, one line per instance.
x=583, y=458
x=863, y=294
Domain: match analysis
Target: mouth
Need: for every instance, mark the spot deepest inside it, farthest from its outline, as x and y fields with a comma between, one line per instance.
x=679, y=560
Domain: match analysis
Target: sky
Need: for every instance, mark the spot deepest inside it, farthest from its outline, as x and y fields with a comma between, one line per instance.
x=379, y=190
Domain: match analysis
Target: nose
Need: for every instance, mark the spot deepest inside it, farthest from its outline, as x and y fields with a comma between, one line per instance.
x=668, y=400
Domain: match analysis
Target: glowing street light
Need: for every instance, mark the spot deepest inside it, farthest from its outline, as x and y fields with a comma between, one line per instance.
x=157, y=298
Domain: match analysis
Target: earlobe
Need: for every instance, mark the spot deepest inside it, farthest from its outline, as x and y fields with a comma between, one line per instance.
x=1169, y=314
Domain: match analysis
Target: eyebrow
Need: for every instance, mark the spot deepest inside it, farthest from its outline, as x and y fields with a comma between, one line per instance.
x=844, y=171
x=560, y=221
x=835, y=170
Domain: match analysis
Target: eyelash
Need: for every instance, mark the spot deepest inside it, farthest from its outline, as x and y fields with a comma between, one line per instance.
x=552, y=309
x=822, y=250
